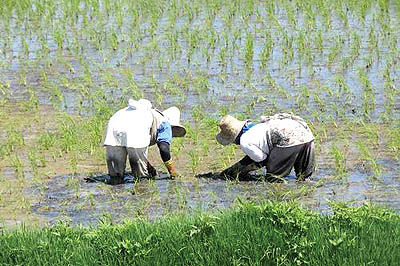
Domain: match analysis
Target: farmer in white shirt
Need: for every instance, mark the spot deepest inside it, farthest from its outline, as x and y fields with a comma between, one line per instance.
x=279, y=143
x=130, y=132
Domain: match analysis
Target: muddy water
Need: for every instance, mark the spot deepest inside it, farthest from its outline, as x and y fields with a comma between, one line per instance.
x=71, y=198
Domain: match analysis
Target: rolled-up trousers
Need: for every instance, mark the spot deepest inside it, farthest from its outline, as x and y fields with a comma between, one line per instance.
x=116, y=161
x=281, y=160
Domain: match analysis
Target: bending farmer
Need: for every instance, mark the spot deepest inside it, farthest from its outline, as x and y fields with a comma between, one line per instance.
x=130, y=132
x=279, y=143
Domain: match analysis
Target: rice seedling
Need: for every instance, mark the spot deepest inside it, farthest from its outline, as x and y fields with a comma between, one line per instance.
x=368, y=96
x=17, y=164
x=369, y=158
x=194, y=160
x=390, y=94
x=46, y=140
x=23, y=203
x=249, y=49
x=372, y=39
x=335, y=50
x=15, y=140
x=5, y=90
x=181, y=198
x=69, y=134
x=73, y=163
x=394, y=141
x=340, y=161
x=59, y=38
x=267, y=50
x=222, y=57
x=33, y=103
x=34, y=160
x=371, y=132
x=302, y=98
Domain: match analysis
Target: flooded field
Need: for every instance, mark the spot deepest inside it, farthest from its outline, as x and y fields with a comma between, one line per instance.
x=87, y=203
x=66, y=66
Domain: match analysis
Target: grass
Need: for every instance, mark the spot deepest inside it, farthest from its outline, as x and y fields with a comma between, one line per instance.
x=271, y=233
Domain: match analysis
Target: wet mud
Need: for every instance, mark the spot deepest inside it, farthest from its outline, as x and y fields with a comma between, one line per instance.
x=72, y=199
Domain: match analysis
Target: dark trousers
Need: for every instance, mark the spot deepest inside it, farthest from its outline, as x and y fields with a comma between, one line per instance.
x=281, y=160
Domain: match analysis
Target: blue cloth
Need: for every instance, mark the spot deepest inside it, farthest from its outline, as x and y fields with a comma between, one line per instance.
x=245, y=128
x=164, y=132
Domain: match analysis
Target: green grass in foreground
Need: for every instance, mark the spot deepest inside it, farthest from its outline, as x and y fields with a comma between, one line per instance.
x=273, y=233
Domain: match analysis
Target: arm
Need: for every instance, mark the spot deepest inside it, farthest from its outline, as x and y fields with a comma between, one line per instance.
x=164, y=138
x=251, y=143
x=246, y=160
x=254, y=152
x=241, y=168
x=165, y=154
x=255, y=143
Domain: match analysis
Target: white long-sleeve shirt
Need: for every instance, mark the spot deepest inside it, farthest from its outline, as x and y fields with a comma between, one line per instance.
x=129, y=127
x=278, y=131
x=134, y=127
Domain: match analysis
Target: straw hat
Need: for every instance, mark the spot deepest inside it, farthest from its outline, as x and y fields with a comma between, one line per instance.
x=230, y=129
x=173, y=116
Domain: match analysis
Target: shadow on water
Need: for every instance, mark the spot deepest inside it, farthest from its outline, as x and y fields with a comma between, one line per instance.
x=72, y=198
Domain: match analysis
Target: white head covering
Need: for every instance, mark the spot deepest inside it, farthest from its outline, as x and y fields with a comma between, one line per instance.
x=173, y=115
x=140, y=104
x=146, y=104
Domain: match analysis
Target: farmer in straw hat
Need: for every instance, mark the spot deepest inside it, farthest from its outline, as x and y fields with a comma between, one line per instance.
x=279, y=143
x=132, y=130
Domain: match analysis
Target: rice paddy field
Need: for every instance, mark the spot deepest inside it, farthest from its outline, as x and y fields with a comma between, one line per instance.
x=67, y=65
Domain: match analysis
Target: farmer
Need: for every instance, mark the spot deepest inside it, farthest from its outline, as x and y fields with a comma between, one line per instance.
x=132, y=130
x=279, y=143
